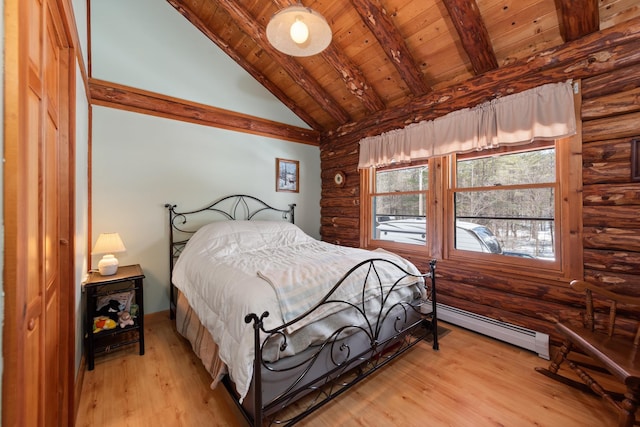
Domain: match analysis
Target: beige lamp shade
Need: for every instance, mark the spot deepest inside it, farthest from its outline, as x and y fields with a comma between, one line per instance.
x=108, y=244
x=299, y=31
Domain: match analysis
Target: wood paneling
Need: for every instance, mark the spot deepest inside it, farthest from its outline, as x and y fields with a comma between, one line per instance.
x=377, y=19
x=386, y=55
x=612, y=225
x=612, y=194
x=612, y=126
x=579, y=18
x=611, y=235
x=467, y=20
x=592, y=55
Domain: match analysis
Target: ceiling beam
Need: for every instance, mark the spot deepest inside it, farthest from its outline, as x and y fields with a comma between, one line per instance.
x=249, y=26
x=578, y=18
x=108, y=94
x=391, y=41
x=353, y=79
x=473, y=34
x=192, y=17
x=594, y=54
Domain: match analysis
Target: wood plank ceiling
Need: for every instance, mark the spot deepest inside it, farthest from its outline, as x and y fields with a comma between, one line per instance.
x=386, y=53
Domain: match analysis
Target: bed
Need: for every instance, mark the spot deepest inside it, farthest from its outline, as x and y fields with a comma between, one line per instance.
x=287, y=322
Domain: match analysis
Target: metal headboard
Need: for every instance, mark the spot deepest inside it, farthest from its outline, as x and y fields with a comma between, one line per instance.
x=182, y=225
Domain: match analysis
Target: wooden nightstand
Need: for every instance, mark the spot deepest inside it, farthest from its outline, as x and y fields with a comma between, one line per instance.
x=126, y=284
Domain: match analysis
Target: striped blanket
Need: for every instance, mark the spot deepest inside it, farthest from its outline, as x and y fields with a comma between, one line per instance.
x=302, y=277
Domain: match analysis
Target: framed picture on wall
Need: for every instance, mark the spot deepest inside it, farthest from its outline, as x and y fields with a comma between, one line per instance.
x=287, y=175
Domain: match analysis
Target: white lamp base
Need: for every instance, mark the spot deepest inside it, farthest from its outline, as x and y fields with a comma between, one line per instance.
x=108, y=265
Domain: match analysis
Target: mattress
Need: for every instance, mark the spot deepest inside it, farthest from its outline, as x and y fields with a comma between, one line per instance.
x=202, y=343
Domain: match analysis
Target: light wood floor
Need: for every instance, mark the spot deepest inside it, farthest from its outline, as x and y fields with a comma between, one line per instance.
x=472, y=381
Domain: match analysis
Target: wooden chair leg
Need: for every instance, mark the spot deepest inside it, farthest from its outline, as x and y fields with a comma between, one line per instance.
x=587, y=385
x=609, y=396
x=560, y=356
x=628, y=408
x=627, y=405
x=552, y=371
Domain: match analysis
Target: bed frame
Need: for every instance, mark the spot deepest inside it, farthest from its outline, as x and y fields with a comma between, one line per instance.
x=286, y=391
x=182, y=225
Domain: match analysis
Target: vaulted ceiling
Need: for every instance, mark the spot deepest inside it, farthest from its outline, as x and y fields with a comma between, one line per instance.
x=386, y=53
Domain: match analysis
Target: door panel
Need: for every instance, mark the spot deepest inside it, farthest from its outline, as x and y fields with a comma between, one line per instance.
x=52, y=353
x=34, y=298
x=38, y=347
x=34, y=377
x=51, y=219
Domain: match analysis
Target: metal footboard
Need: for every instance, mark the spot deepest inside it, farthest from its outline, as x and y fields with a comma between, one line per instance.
x=348, y=356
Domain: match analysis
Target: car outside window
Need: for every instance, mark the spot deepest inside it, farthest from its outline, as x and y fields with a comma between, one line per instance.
x=398, y=204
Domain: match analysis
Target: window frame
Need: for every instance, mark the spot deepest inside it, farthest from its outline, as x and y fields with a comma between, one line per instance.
x=499, y=260
x=368, y=180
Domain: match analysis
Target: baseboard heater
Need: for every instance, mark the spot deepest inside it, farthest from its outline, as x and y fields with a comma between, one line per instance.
x=516, y=335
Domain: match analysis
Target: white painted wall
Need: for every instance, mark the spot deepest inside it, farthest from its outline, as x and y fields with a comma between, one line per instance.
x=81, y=259
x=149, y=45
x=141, y=162
x=81, y=262
x=80, y=14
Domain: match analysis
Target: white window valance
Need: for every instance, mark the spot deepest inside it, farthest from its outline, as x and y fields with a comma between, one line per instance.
x=544, y=112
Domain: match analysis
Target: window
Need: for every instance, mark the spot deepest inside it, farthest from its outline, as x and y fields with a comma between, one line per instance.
x=516, y=209
x=398, y=203
x=505, y=203
x=513, y=209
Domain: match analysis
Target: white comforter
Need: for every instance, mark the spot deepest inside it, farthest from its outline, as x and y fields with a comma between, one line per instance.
x=229, y=269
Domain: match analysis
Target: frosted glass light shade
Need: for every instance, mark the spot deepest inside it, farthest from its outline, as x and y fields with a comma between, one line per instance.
x=108, y=244
x=280, y=33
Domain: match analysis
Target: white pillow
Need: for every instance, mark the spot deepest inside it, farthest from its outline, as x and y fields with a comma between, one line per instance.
x=222, y=238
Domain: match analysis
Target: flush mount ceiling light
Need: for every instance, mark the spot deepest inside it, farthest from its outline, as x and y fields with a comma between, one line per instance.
x=298, y=31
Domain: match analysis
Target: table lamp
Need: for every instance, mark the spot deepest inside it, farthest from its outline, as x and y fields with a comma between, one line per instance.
x=108, y=244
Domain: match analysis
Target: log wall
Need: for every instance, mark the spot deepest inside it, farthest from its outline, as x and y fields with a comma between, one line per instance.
x=611, y=212
x=611, y=201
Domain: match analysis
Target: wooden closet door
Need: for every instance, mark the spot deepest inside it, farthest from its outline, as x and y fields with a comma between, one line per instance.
x=38, y=217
